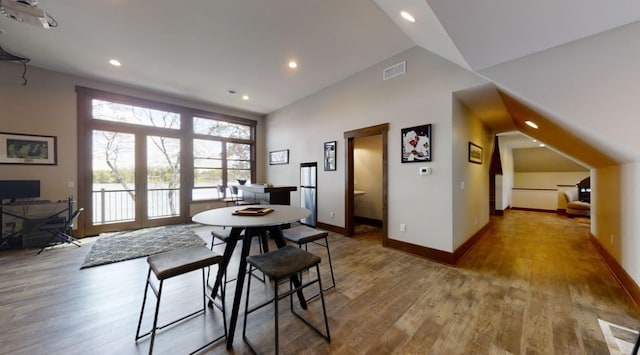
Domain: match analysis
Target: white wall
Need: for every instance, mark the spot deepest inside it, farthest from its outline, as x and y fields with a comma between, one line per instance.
x=590, y=86
x=616, y=225
x=470, y=180
x=547, y=180
x=423, y=95
x=506, y=157
x=47, y=106
x=367, y=169
x=543, y=190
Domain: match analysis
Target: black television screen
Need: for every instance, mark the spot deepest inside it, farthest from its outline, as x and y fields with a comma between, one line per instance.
x=15, y=189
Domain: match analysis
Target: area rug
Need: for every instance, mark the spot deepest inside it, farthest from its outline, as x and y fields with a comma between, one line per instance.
x=120, y=246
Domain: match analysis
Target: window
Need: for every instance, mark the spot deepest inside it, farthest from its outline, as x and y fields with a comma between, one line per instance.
x=222, y=154
x=147, y=160
x=219, y=128
x=117, y=112
x=207, y=168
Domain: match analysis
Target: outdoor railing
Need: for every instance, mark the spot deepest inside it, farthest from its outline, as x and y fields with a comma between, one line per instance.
x=112, y=206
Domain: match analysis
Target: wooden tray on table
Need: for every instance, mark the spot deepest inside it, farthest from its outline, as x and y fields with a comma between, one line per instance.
x=253, y=211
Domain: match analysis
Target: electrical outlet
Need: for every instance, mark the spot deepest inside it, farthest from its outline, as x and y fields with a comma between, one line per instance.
x=461, y=185
x=403, y=227
x=333, y=215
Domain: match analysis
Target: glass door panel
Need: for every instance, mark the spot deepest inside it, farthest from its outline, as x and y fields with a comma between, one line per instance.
x=163, y=177
x=113, y=192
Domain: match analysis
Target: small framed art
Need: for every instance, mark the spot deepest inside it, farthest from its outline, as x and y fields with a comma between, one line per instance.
x=475, y=153
x=278, y=157
x=416, y=144
x=29, y=149
x=330, y=156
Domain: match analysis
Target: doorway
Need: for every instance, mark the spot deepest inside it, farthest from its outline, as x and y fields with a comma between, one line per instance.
x=350, y=191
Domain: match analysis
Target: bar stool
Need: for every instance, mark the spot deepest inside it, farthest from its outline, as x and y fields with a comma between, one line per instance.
x=170, y=264
x=303, y=235
x=223, y=234
x=281, y=264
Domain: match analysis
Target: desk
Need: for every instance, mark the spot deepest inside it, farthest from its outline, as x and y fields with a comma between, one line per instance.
x=271, y=195
x=271, y=222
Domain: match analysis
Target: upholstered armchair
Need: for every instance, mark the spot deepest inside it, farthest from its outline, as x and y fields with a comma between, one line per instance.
x=575, y=207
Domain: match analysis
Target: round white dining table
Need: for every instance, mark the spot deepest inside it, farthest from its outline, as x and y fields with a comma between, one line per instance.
x=253, y=225
x=224, y=217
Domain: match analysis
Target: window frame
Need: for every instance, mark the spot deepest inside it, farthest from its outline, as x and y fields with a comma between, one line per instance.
x=186, y=134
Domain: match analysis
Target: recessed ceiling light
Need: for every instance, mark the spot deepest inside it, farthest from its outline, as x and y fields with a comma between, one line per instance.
x=115, y=62
x=541, y=145
x=245, y=97
x=293, y=64
x=535, y=141
x=407, y=16
x=531, y=124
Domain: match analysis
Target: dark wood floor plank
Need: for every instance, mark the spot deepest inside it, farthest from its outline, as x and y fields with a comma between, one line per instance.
x=532, y=285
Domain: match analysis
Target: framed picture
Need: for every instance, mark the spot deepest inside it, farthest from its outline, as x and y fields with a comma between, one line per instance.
x=279, y=157
x=330, y=156
x=18, y=148
x=475, y=153
x=416, y=144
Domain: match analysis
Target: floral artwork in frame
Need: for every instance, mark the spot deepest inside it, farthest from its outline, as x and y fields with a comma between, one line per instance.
x=17, y=148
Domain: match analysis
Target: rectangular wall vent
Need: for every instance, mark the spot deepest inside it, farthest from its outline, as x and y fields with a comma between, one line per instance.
x=394, y=70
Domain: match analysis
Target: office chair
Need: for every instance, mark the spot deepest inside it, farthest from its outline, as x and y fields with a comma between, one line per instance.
x=61, y=231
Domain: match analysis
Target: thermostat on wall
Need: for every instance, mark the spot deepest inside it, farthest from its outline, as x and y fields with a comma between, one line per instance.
x=425, y=170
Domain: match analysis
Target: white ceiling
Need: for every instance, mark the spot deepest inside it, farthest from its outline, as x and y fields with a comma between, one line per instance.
x=200, y=49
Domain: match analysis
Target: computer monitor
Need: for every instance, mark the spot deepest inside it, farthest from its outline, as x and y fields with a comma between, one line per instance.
x=17, y=189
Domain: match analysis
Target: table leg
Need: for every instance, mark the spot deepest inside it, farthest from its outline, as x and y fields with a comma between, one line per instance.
x=242, y=268
x=226, y=257
x=276, y=233
x=264, y=239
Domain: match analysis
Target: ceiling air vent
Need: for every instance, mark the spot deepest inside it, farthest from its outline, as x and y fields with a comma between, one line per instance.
x=394, y=70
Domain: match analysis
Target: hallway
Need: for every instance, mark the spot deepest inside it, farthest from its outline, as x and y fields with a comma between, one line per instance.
x=554, y=285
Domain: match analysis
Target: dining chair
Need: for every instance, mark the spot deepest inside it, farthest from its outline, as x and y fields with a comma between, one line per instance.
x=222, y=195
x=239, y=200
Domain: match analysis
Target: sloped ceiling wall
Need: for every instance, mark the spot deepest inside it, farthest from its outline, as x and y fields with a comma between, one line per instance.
x=542, y=160
x=589, y=88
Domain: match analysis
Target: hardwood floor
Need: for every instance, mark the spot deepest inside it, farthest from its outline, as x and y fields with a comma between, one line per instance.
x=533, y=285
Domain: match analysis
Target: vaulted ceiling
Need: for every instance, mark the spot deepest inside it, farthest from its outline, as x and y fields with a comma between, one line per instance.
x=202, y=49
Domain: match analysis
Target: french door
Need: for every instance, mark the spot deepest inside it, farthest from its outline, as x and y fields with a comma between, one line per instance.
x=133, y=173
x=135, y=181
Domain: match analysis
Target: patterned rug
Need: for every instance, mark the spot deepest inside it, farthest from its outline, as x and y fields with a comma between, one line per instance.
x=120, y=246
